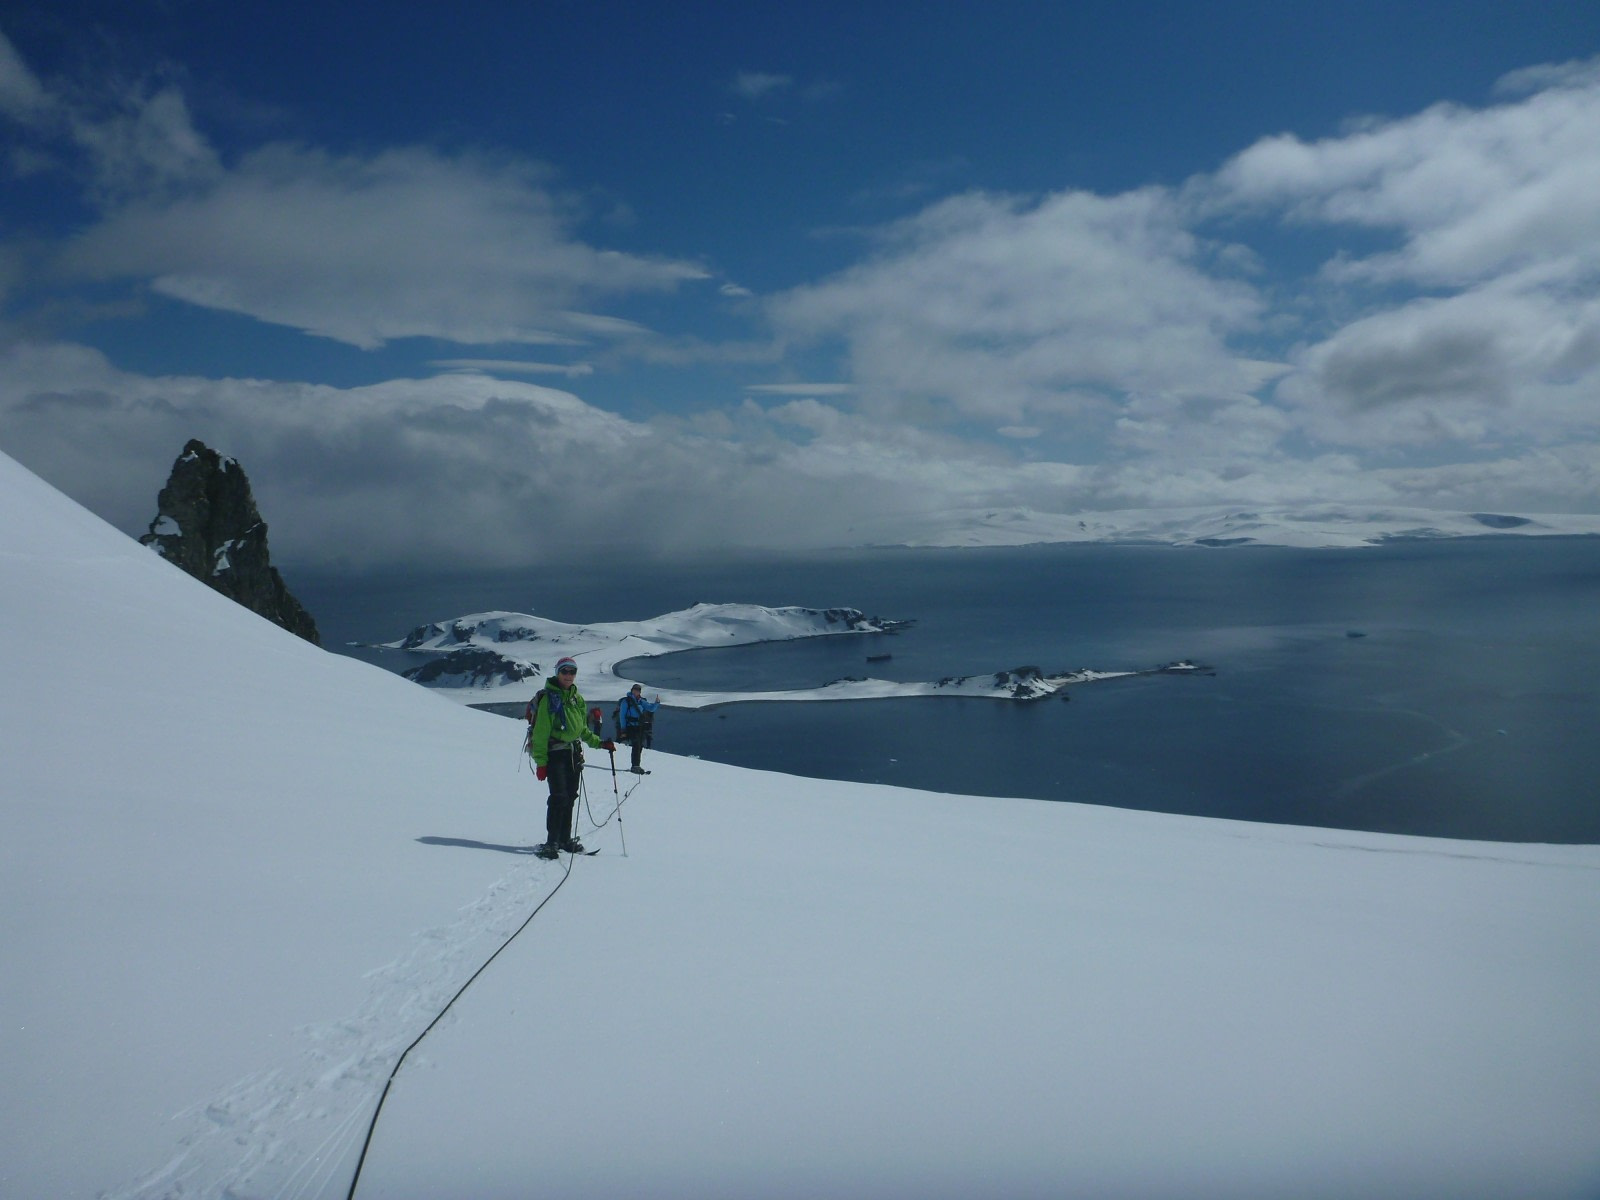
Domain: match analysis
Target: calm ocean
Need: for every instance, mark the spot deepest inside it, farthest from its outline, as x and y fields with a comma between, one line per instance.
x=1468, y=706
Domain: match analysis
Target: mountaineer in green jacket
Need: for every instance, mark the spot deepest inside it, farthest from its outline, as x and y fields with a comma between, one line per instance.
x=559, y=728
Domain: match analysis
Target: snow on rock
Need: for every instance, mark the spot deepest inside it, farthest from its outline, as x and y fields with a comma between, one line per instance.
x=487, y=657
x=490, y=657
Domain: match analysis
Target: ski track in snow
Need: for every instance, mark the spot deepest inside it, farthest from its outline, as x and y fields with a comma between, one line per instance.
x=292, y=1132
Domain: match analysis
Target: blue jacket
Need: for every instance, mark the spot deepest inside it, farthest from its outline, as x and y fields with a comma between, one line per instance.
x=631, y=709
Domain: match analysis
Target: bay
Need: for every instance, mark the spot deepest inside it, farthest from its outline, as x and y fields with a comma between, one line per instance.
x=1466, y=707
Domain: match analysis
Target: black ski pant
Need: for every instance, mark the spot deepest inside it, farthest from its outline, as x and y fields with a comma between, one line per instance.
x=635, y=738
x=564, y=768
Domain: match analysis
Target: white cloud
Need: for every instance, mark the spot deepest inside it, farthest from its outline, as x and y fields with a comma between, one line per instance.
x=1473, y=194
x=146, y=148
x=1493, y=364
x=1579, y=72
x=125, y=140
x=22, y=96
x=448, y=469
x=407, y=243
x=997, y=308
x=1550, y=479
x=801, y=389
x=512, y=366
x=754, y=85
x=1478, y=322
x=1459, y=313
x=1201, y=429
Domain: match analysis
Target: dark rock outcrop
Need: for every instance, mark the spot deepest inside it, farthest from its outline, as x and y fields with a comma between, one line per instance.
x=207, y=524
x=854, y=618
x=472, y=668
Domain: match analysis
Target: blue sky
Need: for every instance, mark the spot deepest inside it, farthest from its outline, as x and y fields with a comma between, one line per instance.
x=675, y=277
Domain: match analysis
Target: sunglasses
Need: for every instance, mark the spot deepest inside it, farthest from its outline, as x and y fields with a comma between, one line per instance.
x=567, y=671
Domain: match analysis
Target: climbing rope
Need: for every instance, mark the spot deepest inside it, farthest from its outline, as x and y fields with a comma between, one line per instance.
x=399, y=1062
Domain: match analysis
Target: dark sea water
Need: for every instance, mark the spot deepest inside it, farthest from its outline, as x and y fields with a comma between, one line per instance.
x=1469, y=706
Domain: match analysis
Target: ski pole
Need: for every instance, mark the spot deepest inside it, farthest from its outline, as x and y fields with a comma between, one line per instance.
x=616, y=795
x=583, y=794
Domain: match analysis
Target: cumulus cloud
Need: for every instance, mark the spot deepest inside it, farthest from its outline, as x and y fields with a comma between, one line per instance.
x=1457, y=319
x=1003, y=309
x=1477, y=321
x=1473, y=194
x=1459, y=312
x=447, y=470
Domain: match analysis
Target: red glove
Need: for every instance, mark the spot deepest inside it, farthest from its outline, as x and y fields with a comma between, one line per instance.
x=608, y=744
x=541, y=772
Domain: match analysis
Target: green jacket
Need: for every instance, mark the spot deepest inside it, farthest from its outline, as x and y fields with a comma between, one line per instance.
x=558, y=715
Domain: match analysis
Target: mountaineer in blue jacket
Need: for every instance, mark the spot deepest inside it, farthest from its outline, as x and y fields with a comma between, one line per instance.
x=636, y=719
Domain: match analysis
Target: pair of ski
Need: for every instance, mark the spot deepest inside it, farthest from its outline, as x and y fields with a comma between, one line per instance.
x=538, y=852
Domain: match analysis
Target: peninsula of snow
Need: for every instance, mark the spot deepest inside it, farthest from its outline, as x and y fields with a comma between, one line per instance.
x=241, y=875
x=501, y=657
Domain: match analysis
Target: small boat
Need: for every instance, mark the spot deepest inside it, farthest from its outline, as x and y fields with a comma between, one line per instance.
x=879, y=657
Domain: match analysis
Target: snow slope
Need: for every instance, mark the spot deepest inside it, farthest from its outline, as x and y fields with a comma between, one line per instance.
x=207, y=843
x=245, y=874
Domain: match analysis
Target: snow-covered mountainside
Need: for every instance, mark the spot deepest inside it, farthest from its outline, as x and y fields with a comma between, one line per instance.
x=241, y=875
x=1331, y=526
x=489, y=657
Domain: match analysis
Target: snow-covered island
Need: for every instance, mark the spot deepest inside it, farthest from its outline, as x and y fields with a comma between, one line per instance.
x=498, y=657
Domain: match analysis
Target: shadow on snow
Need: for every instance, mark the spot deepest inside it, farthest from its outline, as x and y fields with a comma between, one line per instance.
x=472, y=845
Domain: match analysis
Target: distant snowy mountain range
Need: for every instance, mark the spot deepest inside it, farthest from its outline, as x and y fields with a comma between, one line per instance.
x=1330, y=526
x=489, y=658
